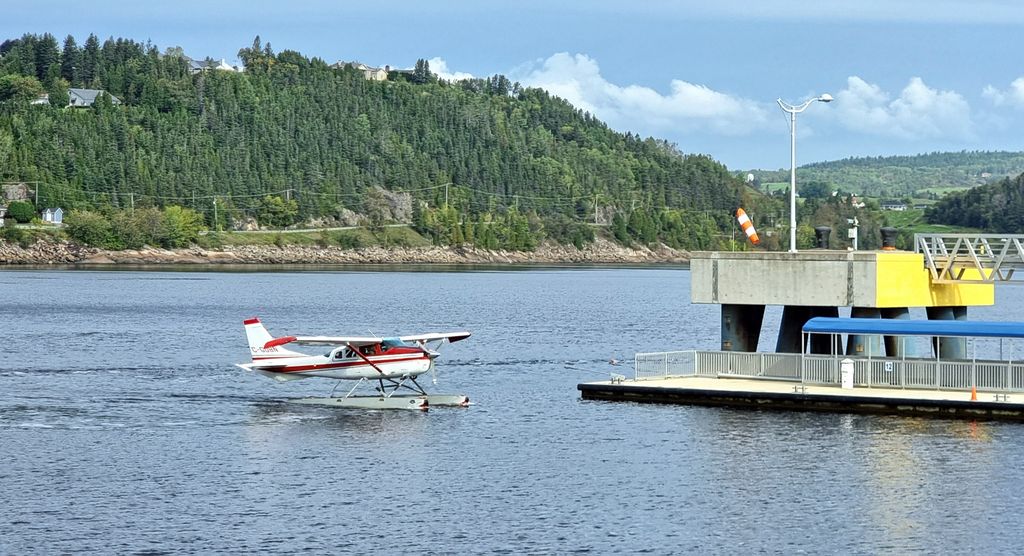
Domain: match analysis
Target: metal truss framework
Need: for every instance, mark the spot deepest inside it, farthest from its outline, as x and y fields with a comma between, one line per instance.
x=950, y=257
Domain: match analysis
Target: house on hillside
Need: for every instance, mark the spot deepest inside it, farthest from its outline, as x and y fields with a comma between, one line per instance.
x=3, y=214
x=80, y=98
x=41, y=99
x=53, y=216
x=894, y=205
x=370, y=73
x=196, y=66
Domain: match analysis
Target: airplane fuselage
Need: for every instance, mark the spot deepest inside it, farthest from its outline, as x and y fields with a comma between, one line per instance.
x=344, y=363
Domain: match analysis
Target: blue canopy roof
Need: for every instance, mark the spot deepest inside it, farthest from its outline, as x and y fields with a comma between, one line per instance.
x=900, y=327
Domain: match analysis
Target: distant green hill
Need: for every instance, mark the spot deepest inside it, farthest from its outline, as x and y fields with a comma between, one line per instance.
x=295, y=139
x=924, y=176
x=995, y=207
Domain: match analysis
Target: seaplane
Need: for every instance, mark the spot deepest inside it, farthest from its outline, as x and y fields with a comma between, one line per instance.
x=391, y=364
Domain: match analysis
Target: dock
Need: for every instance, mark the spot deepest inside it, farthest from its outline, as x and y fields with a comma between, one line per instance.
x=784, y=395
x=877, y=360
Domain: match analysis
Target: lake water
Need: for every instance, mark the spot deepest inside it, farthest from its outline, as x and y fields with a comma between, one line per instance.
x=125, y=428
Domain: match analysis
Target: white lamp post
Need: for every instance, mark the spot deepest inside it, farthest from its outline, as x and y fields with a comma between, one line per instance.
x=793, y=110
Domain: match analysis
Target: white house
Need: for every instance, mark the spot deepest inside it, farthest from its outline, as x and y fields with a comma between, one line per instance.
x=370, y=73
x=53, y=216
x=196, y=66
x=3, y=213
x=894, y=205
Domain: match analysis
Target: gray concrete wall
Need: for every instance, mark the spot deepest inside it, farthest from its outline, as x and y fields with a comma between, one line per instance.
x=809, y=278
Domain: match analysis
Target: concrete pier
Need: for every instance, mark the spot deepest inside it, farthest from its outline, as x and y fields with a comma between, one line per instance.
x=875, y=285
x=793, y=319
x=893, y=346
x=948, y=348
x=741, y=327
x=862, y=345
x=880, y=284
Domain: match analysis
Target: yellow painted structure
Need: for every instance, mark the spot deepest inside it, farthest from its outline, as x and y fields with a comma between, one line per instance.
x=822, y=278
x=902, y=281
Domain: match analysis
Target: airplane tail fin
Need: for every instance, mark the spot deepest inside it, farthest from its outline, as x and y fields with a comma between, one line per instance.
x=258, y=338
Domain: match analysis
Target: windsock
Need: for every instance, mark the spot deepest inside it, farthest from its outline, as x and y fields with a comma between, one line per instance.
x=747, y=226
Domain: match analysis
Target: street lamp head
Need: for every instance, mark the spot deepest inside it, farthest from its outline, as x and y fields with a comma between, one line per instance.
x=825, y=98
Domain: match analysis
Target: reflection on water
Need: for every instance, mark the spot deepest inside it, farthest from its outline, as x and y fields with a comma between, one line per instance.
x=121, y=399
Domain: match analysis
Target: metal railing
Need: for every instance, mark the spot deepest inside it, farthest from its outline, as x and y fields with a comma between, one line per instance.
x=663, y=364
x=927, y=374
x=977, y=258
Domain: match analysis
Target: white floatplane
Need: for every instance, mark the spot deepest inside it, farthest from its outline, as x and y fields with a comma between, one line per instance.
x=392, y=363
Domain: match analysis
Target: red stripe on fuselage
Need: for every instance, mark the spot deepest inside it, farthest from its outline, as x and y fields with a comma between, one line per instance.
x=341, y=365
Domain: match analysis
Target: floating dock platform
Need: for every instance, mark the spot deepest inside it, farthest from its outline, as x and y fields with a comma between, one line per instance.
x=764, y=394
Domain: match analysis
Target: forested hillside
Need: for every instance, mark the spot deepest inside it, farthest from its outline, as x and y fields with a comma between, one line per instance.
x=292, y=139
x=996, y=207
x=924, y=175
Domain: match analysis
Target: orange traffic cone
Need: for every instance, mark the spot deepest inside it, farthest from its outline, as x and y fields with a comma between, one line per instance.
x=974, y=394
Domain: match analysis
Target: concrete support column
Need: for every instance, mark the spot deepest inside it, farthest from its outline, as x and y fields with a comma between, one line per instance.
x=894, y=346
x=741, y=327
x=791, y=329
x=948, y=348
x=859, y=345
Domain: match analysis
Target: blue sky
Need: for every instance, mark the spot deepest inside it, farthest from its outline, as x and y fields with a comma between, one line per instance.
x=909, y=76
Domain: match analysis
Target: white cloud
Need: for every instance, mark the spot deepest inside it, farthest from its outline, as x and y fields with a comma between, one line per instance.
x=440, y=67
x=687, y=107
x=919, y=112
x=1014, y=96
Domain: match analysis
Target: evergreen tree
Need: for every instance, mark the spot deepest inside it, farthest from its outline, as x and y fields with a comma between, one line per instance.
x=47, y=58
x=90, y=59
x=69, y=60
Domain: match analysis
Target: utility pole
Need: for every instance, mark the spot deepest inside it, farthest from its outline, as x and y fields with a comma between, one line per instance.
x=37, y=195
x=446, y=194
x=132, y=196
x=214, y=213
x=595, y=209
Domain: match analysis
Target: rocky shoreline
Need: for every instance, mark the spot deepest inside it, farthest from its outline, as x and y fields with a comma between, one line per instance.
x=600, y=252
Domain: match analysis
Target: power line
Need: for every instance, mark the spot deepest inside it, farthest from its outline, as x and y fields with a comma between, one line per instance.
x=475, y=198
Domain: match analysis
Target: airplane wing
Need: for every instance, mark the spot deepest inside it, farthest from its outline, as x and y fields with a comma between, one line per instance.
x=434, y=336
x=356, y=341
